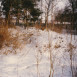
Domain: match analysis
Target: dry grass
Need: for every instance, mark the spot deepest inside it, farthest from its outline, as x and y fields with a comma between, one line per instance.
x=7, y=40
x=38, y=26
x=15, y=42
x=57, y=46
x=75, y=73
x=55, y=28
x=12, y=26
x=70, y=47
x=4, y=35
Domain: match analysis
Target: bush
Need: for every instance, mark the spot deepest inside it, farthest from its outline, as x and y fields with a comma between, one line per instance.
x=4, y=35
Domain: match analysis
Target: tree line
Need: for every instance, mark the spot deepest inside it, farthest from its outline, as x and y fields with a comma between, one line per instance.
x=69, y=14
x=26, y=10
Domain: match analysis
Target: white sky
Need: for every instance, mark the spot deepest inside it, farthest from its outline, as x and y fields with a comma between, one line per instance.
x=0, y=3
x=59, y=6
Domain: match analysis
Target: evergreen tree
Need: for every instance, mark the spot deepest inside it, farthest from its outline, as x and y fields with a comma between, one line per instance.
x=17, y=10
x=25, y=9
x=35, y=14
x=30, y=12
x=7, y=4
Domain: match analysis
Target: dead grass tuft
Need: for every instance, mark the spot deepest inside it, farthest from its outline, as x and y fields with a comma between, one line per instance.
x=4, y=35
x=6, y=40
x=75, y=73
x=57, y=29
x=12, y=26
x=15, y=41
x=57, y=46
x=38, y=26
x=70, y=47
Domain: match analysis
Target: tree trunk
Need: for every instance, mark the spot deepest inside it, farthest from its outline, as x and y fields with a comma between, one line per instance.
x=17, y=20
x=47, y=21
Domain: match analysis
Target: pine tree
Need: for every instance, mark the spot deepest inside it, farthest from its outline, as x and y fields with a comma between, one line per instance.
x=30, y=12
x=7, y=4
x=35, y=14
x=17, y=10
x=20, y=9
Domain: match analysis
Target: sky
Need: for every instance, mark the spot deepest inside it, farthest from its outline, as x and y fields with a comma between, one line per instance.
x=0, y=3
x=60, y=5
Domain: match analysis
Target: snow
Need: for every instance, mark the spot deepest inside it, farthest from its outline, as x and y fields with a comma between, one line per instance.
x=33, y=58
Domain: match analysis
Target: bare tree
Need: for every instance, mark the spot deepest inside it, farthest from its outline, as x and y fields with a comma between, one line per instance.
x=73, y=8
x=41, y=10
x=50, y=10
x=47, y=7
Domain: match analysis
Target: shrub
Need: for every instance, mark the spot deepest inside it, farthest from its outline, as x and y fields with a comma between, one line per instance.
x=4, y=35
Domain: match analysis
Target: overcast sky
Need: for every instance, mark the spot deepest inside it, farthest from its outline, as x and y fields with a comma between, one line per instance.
x=60, y=5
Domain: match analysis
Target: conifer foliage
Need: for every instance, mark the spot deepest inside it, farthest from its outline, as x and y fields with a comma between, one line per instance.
x=25, y=9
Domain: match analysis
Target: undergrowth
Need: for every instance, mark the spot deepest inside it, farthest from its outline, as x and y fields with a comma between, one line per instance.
x=6, y=40
x=15, y=40
x=4, y=35
x=55, y=28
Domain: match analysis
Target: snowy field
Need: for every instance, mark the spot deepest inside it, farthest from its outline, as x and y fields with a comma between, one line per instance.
x=33, y=57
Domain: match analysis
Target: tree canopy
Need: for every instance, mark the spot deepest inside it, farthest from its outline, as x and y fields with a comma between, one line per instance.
x=70, y=12
x=26, y=9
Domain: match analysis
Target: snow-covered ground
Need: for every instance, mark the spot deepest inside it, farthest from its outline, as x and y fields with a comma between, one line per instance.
x=33, y=58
